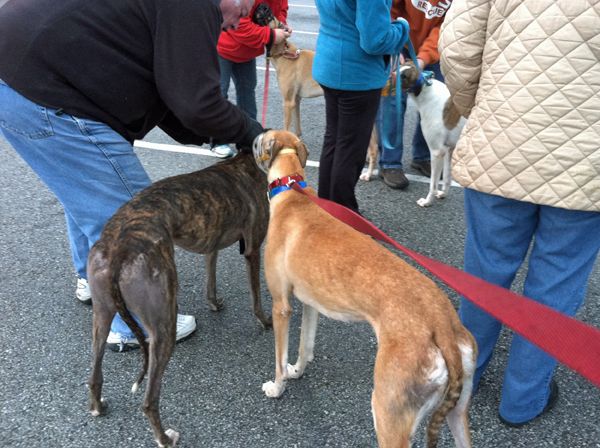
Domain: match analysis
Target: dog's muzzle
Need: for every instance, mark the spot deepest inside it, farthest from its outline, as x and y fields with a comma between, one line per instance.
x=262, y=155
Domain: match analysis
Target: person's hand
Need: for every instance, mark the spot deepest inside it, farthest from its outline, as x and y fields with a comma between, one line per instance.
x=421, y=64
x=281, y=34
x=254, y=129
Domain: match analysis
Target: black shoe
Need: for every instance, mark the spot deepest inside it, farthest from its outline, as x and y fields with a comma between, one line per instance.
x=552, y=399
x=422, y=166
x=394, y=178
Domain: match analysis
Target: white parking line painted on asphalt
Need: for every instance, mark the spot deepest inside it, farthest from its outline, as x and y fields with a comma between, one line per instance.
x=296, y=5
x=309, y=33
x=207, y=152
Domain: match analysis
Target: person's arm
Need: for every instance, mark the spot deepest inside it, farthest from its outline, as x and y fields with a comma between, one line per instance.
x=428, y=51
x=186, y=71
x=378, y=34
x=250, y=34
x=462, y=38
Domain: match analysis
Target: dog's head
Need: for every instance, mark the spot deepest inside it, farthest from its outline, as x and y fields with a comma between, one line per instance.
x=267, y=147
x=413, y=80
x=409, y=75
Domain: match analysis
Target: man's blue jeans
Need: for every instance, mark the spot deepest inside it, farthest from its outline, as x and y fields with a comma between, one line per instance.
x=389, y=119
x=564, y=246
x=244, y=80
x=90, y=168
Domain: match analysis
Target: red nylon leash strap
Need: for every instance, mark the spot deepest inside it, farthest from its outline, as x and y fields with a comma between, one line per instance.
x=568, y=340
x=265, y=93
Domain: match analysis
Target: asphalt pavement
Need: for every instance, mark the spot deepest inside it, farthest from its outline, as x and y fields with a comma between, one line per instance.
x=212, y=389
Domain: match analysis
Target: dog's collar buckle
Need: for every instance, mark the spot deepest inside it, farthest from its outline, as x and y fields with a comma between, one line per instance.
x=285, y=183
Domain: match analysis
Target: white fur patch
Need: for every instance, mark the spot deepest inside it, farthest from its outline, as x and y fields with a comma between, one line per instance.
x=272, y=389
x=437, y=377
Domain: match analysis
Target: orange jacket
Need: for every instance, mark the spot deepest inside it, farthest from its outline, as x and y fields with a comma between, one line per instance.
x=425, y=18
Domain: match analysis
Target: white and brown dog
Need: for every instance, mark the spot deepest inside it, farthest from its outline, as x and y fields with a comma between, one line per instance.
x=441, y=125
x=425, y=359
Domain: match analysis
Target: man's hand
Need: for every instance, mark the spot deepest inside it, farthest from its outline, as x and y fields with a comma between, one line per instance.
x=254, y=128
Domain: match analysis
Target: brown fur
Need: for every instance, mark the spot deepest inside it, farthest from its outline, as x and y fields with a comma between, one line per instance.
x=451, y=114
x=131, y=269
x=344, y=274
x=294, y=76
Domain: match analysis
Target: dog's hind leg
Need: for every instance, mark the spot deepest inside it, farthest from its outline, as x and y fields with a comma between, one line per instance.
x=394, y=416
x=253, y=270
x=437, y=161
x=103, y=313
x=281, y=323
x=446, y=176
x=310, y=318
x=160, y=348
x=210, y=261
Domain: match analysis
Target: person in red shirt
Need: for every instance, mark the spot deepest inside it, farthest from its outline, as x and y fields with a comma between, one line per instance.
x=425, y=18
x=238, y=49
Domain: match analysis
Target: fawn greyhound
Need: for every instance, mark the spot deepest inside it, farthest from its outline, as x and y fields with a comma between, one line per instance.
x=294, y=76
x=131, y=269
x=425, y=358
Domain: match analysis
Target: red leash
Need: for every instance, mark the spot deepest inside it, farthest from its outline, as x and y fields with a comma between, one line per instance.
x=568, y=340
x=265, y=93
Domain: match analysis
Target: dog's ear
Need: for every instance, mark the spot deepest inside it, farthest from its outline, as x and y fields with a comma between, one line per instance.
x=303, y=152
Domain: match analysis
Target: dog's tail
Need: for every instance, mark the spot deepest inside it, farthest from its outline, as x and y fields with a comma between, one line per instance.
x=453, y=359
x=116, y=264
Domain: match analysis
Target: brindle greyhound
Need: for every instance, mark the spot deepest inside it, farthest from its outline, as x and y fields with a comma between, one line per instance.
x=131, y=269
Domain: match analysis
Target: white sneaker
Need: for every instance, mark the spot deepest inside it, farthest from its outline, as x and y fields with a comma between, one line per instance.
x=186, y=325
x=82, y=292
x=223, y=151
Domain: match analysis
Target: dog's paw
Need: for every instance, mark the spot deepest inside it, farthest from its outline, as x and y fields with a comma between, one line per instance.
x=424, y=202
x=98, y=409
x=294, y=371
x=441, y=194
x=365, y=177
x=173, y=438
x=215, y=304
x=265, y=322
x=272, y=389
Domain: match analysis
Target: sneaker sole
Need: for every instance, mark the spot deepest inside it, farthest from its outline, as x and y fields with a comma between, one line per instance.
x=84, y=301
x=116, y=347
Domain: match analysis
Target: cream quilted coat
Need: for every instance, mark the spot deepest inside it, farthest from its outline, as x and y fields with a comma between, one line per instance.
x=527, y=73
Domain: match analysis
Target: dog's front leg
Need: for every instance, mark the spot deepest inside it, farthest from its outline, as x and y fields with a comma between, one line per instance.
x=210, y=260
x=310, y=318
x=296, y=113
x=281, y=323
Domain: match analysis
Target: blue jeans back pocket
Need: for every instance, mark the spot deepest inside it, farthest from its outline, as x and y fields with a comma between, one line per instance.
x=18, y=115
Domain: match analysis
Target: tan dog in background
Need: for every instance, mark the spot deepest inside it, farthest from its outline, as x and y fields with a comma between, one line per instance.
x=294, y=76
x=425, y=359
x=372, y=155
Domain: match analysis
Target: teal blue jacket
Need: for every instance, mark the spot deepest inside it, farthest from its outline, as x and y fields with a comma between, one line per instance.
x=354, y=36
